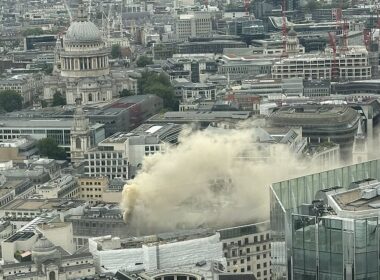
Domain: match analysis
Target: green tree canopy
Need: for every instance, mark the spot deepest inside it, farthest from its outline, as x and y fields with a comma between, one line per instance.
x=158, y=84
x=33, y=31
x=58, y=99
x=10, y=100
x=49, y=148
x=48, y=68
x=126, y=92
x=143, y=61
x=116, y=51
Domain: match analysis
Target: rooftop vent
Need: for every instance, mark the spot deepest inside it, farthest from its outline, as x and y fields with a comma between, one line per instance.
x=369, y=193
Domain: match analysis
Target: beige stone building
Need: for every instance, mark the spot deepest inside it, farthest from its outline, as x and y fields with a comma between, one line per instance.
x=95, y=189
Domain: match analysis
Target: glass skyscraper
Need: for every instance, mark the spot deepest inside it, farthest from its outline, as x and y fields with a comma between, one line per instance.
x=329, y=245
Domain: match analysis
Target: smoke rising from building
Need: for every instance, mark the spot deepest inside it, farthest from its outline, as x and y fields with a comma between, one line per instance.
x=213, y=178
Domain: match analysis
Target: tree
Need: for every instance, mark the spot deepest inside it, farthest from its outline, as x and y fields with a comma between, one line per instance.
x=116, y=51
x=47, y=68
x=143, y=61
x=312, y=5
x=126, y=92
x=32, y=31
x=49, y=148
x=58, y=99
x=158, y=84
x=10, y=100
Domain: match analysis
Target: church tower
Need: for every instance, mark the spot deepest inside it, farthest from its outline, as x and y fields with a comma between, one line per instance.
x=80, y=135
x=360, y=149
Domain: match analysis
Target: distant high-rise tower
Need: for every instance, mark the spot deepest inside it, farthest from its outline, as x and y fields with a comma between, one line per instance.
x=80, y=135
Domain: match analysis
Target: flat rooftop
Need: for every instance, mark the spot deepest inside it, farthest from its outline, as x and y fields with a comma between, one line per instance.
x=38, y=204
x=359, y=199
x=195, y=116
x=10, y=185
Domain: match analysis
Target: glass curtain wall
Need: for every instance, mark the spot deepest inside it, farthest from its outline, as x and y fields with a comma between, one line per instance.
x=287, y=196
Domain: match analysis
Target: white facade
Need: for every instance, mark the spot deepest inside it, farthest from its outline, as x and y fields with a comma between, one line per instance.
x=194, y=91
x=116, y=154
x=65, y=186
x=154, y=255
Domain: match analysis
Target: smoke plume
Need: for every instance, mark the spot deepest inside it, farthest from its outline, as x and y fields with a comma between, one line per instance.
x=213, y=178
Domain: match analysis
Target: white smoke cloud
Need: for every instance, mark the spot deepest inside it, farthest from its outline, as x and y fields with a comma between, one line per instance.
x=213, y=178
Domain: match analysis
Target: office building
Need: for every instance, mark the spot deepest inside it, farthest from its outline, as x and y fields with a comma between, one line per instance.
x=27, y=85
x=321, y=123
x=65, y=186
x=247, y=249
x=17, y=149
x=94, y=190
x=352, y=64
x=193, y=25
x=325, y=225
x=122, y=154
x=58, y=129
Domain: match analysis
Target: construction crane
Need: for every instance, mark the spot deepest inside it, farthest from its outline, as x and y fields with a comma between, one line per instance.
x=206, y=4
x=367, y=38
x=345, y=28
x=332, y=41
x=284, y=31
x=246, y=6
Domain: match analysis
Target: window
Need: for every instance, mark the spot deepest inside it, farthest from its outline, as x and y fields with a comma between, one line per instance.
x=248, y=250
x=258, y=266
x=78, y=144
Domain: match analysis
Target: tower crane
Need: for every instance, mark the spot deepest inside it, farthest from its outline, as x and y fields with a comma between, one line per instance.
x=284, y=31
x=332, y=41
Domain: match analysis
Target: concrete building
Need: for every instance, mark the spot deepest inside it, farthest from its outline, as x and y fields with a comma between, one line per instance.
x=94, y=190
x=239, y=68
x=47, y=262
x=247, y=249
x=316, y=88
x=98, y=220
x=203, y=119
x=193, y=25
x=58, y=129
x=32, y=208
x=195, y=91
x=27, y=85
x=120, y=155
x=11, y=189
x=172, y=250
x=18, y=149
x=60, y=234
x=65, y=186
x=321, y=123
x=350, y=65
x=329, y=229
